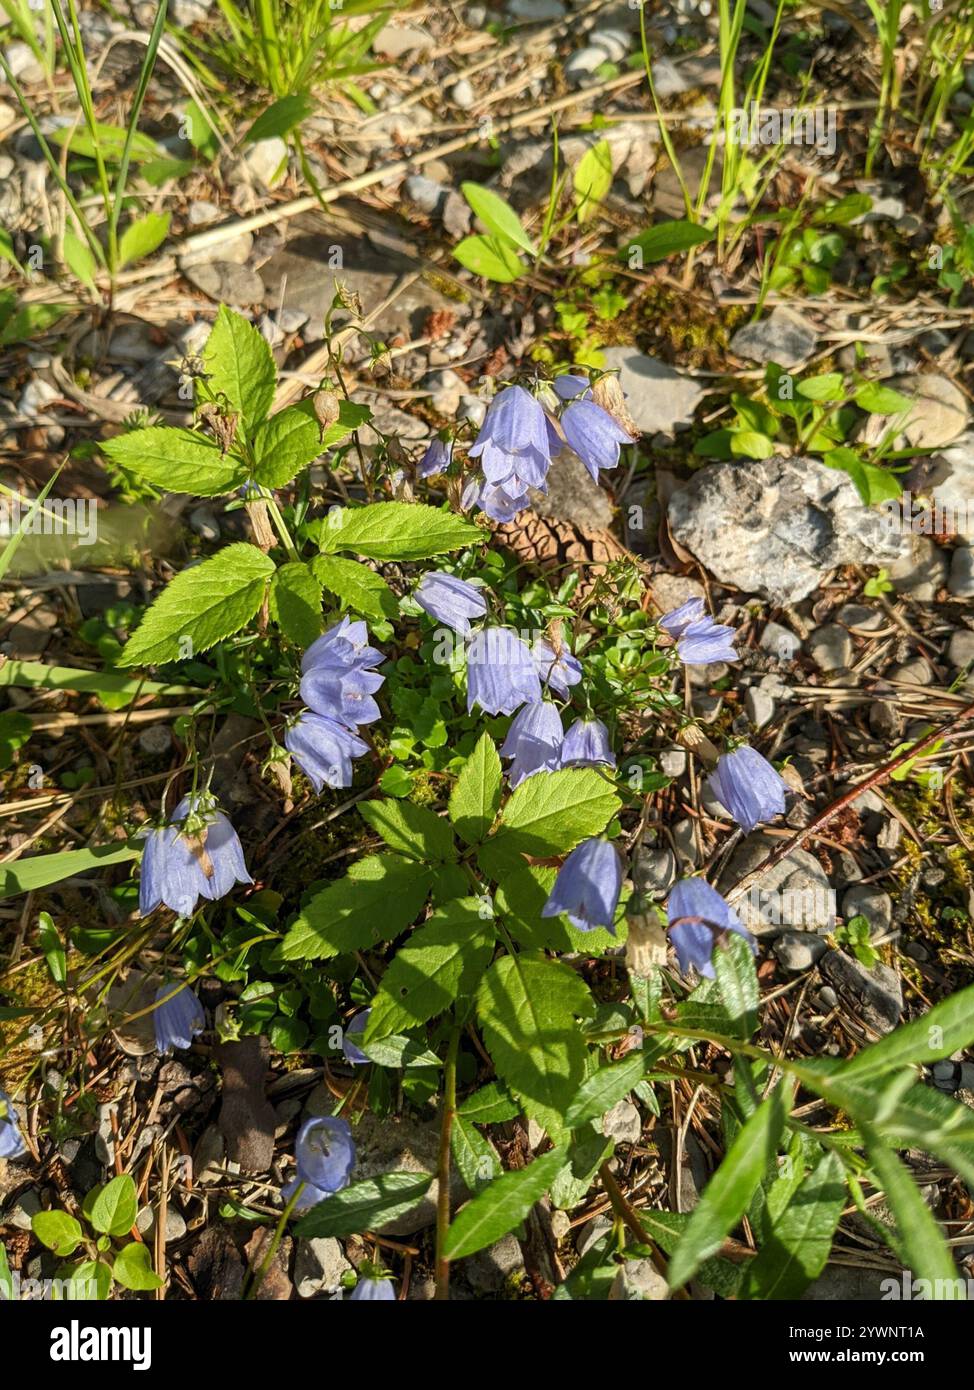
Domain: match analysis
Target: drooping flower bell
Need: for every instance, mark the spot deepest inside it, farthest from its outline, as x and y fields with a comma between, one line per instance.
x=197, y=855
x=451, y=601
x=747, y=787
x=177, y=1017
x=324, y=1153
x=588, y=886
x=436, y=458
x=338, y=680
x=501, y=501
x=323, y=749
x=587, y=745
x=570, y=386
x=373, y=1291
x=356, y=1027
x=11, y=1140
x=533, y=741
x=514, y=441
x=501, y=675
x=706, y=641
x=558, y=669
x=679, y=619
x=697, y=916
x=593, y=434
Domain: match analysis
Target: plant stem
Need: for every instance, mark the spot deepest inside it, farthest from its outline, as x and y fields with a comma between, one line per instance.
x=265, y=1264
x=274, y=512
x=443, y=1167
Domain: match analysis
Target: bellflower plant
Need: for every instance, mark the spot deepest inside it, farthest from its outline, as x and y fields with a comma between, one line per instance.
x=451, y=601
x=559, y=669
x=436, y=459
x=514, y=441
x=706, y=641
x=355, y=1029
x=338, y=680
x=501, y=674
x=177, y=1018
x=533, y=741
x=679, y=619
x=324, y=1153
x=11, y=1140
x=588, y=886
x=748, y=787
x=571, y=386
x=594, y=436
x=373, y=1291
x=697, y=915
x=197, y=855
x=587, y=745
x=323, y=749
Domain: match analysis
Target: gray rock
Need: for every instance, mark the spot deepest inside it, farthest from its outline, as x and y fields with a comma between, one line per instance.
x=426, y=193
x=235, y=250
x=653, y=870
x=952, y=486
x=960, y=651
x=783, y=337
x=24, y=1206
x=759, y=706
x=777, y=526
x=397, y=40
x=921, y=571
x=614, y=40
x=318, y=1266
x=489, y=1270
x=264, y=158
x=446, y=388
x=660, y=399
x=862, y=899
x=780, y=642
x=830, y=647
x=175, y=1223
x=582, y=65
x=846, y=1283
x=156, y=740
x=673, y=762
x=795, y=892
x=204, y=524
x=961, y=581
x=572, y=495
x=592, y=1232
x=463, y=94
x=685, y=840
x=537, y=11
x=227, y=283
x=671, y=591
x=640, y=1281
x=857, y=615
x=939, y=415
x=623, y=1123
x=799, y=950
x=878, y=992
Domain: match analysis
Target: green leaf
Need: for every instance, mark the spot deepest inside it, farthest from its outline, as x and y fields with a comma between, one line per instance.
x=798, y=1246
x=142, y=237
x=6, y=1279
x=882, y=400
x=603, y=1089
x=8, y=254
x=837, y=212
x=665, y=239
x=79, y=259
x=241, y=368
x=15, y=731
x=491, y=1105
x=380, y=896
x=356, y=585
x=592, y=179
x=443, y=959
x=738, y=981
x=476, y=1158
x=285, y=444
x=133, y=1268
x=500, y=1206
x=827, y=387
x=397, y=531
x=178, y=460
x=200, y=131
x=497, y=216
x=294, y=602
x=666, y=1229
x=490, y=257
x=551, y=813
x=279, y=118
x=40, y=870
x=201, y=606
x=727, y=1194
x=398, y=1051
x=476, y=797
x=110, y=142
x=750, y=444
x=115, y=1208
x=54, y=953
x=411, y=830
x=30, y=321
x=365, y=1206
x=872, y=484
x=57, y=1230
x=946, y=1028
x=528, y=1007
x=35, y=675
x=919, y=1241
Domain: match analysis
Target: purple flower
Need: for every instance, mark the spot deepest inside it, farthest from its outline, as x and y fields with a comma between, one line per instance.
x=344, y=646
x=324, y=1152
x=177, y=1018
x=594, y=435
x=501, y=502
x=11, y=1140
x=697, y=914
x=748, y=787
x=337, y=679
x=588, y=886
x=514, y=441
x=323, y=749
x=587, y=745
x=501, y=675
x=197, y=855
x=373, y=1291
x=559, y=669
x=436, y=459
x=570, y=386
x=706, y=641
x=533, y=741
x=679, y=619
x=355, y=1029
x=450, y=600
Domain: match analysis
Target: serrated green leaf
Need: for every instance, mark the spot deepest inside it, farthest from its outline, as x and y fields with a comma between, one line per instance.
x=133, y=1268
x=294, y=602
x=380, y=896
x=285, y=444
x=356, y=585
x=115, y=1208
x=397, y=531
x=491, y=257
x=500, y=1206
x=179, y=460
x=411, y=830
x=478, y=1162
x=497, y=215
x=398, y=1051
x=727, y=1194
x=552, y=812
x=798, y=1245
x=142, y=237
x=365, y=1206
x=442, y=959
x=592, y=179
x=240, y=366
x=201, y=606
x=57, y=1230
x=599, y=1092
x=475, y=799
x=491, y=1105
